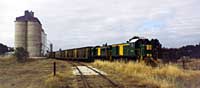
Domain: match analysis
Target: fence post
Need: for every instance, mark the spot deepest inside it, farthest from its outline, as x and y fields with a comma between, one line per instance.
x=183, y=63
x=54, y=68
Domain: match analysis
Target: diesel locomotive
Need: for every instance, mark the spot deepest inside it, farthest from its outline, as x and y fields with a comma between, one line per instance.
x=135, y=49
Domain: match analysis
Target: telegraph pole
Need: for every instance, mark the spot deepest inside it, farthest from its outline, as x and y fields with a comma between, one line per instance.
x=51, y=49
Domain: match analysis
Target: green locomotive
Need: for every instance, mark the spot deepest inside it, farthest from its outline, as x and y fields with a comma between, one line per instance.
x=139, y=49
x=135, y=49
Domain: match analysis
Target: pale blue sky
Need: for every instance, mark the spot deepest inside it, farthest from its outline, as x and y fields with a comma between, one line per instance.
x=77, y=23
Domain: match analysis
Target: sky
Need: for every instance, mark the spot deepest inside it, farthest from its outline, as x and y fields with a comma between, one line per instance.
x=79, y=23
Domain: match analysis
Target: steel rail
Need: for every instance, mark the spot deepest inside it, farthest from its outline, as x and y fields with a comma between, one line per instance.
x=102, y=75
x=83, y=78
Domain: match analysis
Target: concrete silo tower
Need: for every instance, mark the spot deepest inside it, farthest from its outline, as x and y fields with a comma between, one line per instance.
x=44, y=42
x=20, y=34
x=34, y=38
x=28, y=34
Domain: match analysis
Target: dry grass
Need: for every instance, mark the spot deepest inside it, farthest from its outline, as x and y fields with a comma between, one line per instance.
x=35, y=73
x=7, y=59
x=192, y=63
x=61, y=80
x=139, y=74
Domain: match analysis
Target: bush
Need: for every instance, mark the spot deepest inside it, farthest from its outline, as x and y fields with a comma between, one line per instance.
x=21, y=54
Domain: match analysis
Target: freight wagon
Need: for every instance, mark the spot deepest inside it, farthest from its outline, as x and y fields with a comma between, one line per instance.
x=81, y=54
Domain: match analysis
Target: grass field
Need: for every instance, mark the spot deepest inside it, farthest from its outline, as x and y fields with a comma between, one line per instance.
x=192, y=64
x=139, y=75
x=35, y=73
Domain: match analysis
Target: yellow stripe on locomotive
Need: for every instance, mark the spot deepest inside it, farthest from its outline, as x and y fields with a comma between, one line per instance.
x=98, y=51
x=121, y=50
x=75, y=53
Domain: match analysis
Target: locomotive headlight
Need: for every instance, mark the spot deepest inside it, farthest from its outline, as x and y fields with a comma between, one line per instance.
x=149, y=55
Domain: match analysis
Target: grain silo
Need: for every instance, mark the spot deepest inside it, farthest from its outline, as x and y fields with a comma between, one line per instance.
x=34, y=38
x=21, y=34
x=28, y=34
x=44, y=41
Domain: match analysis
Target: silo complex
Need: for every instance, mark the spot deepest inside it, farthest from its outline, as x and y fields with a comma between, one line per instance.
x=29, y=34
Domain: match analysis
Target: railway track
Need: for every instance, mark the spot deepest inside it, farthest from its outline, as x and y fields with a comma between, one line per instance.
x=83, y=78
x=101, y=76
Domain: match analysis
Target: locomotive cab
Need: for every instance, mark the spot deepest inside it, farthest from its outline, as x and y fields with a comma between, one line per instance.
x=144, y=51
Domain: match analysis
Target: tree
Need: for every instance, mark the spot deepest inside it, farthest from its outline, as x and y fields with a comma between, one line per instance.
x=21, y=54
x=3, y=49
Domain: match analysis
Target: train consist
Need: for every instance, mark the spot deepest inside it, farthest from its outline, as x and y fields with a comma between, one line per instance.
x=135, y=49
